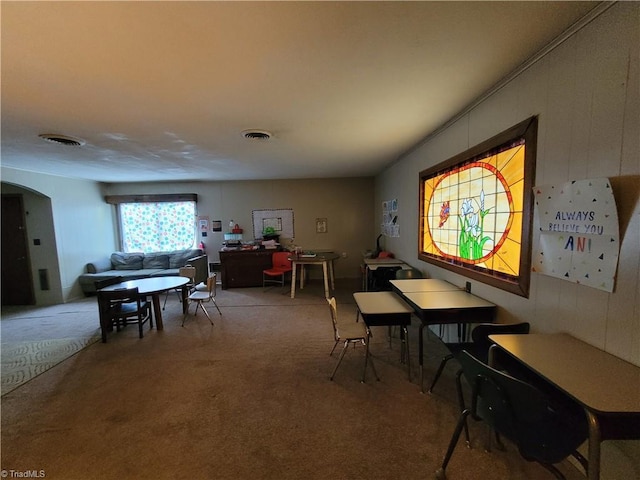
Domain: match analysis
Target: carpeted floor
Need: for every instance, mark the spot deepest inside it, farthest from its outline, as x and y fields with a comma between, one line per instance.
x=247, y=398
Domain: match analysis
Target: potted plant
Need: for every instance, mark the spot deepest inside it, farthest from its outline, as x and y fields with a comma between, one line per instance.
x=269, y=233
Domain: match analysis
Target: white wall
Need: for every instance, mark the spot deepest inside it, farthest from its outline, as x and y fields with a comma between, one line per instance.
x=75, y=228
x=346, y=203
x=586, y=93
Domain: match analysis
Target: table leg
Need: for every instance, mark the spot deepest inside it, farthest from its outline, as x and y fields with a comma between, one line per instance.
x=326, y=280
x=593, y=472
x=420, y=359
x=157, y=310
x=293, y=280
x=405, y=349
x=331, y=276
x=185, y=300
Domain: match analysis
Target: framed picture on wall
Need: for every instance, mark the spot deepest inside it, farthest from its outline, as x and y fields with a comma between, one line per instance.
x=321, y=225
x=476, y=210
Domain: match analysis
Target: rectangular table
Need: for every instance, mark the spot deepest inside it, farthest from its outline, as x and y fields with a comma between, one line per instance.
x=607, y=387
x=386, y=309
x=324, y=259
x=441, y=303
x=423, y=285
x=371, y=264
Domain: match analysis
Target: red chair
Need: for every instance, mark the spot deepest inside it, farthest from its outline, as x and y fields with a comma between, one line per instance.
x=281, y=266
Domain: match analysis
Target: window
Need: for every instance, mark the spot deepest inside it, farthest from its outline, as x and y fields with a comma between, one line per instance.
x=475, y=212
x=156, y=223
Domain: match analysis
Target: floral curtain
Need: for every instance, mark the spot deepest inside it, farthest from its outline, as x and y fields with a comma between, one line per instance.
x=157, y=227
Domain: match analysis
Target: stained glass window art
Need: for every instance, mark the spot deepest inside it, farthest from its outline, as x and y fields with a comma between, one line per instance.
x=475, y=212
x=471, y=210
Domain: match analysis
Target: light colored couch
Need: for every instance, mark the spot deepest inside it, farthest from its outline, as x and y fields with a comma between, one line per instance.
x=132, y=266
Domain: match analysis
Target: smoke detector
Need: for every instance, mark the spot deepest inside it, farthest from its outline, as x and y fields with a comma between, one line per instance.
x=256, y=134
x=62, y=139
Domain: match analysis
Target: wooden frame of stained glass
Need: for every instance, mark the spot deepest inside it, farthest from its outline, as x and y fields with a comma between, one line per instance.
x=476, y=210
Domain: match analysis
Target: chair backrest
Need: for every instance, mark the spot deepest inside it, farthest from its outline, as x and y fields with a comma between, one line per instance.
x=107, y=282
x=407, y=274
x=121, y=295
x=480, y=333
x=281, y=260
x=189, y=272
x=211, y=285
x=521, y=413
x=333, y=310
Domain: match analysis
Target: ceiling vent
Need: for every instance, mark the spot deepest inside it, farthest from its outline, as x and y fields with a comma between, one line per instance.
x=62, y=139
x=256, y=134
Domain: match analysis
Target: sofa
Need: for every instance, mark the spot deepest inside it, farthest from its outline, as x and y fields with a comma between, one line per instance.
x=132, y=266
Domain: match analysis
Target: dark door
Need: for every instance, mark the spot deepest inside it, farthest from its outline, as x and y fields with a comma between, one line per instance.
x=17, y=285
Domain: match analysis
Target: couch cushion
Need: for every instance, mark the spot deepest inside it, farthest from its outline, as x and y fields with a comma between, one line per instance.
x=156, y=260
x=127, y=261
x=179, y=258
x=99, y=266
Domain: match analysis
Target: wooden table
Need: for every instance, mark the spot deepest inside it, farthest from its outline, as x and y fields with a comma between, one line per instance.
x=154, y=286
x=441, y=303
x=386, y=309
x=324, y=259
x=607, y=387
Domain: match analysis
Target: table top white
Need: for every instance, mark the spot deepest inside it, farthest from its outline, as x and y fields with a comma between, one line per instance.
x=424, y=285
x=596, y=379
x=443, y=300
x=319, y=258
x=380, y=303
x=151, y=285
x=382, y=261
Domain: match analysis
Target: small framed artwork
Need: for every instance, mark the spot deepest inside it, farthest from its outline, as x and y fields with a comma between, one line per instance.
x=321, y=225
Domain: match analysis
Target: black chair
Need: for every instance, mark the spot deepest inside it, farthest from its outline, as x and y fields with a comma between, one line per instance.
x=121, y=307
x=409, y=273
x=542, y=431
x=480, y=343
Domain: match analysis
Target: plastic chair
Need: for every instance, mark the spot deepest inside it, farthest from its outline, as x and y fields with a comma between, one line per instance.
x=202, y=297
x=349, y=333
x=479, y=346
x=542, y=431
x=188, y=271
x=408, y=274
x=280, y=267
x=122, y=307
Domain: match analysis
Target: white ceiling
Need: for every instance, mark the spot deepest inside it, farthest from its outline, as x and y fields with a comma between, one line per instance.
x=162, y=90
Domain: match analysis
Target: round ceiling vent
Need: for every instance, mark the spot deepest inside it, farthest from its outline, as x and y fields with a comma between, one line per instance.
x=62, y=139
x=256, y=134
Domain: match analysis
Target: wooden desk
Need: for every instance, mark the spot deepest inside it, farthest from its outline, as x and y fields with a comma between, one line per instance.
x=154, y=286
x=423, y=285
x=386, y=309
x=371, y=264
x=441, y=307
x=324, y=259
x=607, y=387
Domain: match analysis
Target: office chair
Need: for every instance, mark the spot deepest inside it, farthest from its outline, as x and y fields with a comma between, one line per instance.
x=280, y=267
x=122, y=307
x=202, y=297
x=480, y=343
x=541, y=431
x=349, y=333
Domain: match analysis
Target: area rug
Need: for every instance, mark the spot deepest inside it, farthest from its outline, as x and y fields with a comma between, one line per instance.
x=25, y=360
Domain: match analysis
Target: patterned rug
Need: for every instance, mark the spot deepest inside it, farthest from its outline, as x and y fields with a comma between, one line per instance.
x=26, y=360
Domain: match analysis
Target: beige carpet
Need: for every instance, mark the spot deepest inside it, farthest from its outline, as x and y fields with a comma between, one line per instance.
x=247, y=398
